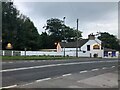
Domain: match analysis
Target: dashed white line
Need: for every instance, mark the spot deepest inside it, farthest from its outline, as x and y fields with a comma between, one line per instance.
x=57, y=77
x=104, y=68
x=83, y=71
x=113, y=66
x=27, y=84
x=66, y=75
x=42, y=80
x=94, y=69
x=9, y=86
x=10, y=62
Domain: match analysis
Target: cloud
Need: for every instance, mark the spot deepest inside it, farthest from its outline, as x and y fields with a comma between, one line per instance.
x=90, y=14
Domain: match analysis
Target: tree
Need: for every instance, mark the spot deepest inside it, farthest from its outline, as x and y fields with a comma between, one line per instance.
x=59, y=31
x=109, y=41
x=71, y=34
x=18, y=29
x=9, y=19
x=45, y=41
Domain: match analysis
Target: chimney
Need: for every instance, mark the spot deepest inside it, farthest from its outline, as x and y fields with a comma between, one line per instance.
x=91, y=37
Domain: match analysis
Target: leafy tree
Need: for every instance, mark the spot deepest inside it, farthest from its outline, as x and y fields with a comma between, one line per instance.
x=9, y=19
x=109, y=41
x=45, y=41
x=71, y=34
x=58, y=31
x=18, y=29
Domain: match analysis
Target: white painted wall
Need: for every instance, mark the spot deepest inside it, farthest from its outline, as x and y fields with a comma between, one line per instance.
x=93, y=51
x=69, y=49
x=37, y=53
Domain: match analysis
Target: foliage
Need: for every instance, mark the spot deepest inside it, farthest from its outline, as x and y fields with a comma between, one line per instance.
x=20, y=31
x=59, y=31
x=109, y=41
x=17, y=29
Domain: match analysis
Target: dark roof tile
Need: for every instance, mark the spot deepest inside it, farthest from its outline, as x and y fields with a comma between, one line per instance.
x=81, y=42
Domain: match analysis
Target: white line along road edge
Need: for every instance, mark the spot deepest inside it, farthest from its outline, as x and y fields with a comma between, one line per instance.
x=25, y=68
x=8, y=87
x=66, y=75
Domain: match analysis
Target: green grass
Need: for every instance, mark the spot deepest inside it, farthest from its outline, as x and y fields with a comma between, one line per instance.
x=35, y=58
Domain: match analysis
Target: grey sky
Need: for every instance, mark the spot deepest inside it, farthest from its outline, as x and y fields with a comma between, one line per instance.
x=93, y=16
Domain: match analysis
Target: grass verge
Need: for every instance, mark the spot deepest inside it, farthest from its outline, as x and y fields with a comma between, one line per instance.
x=35, y=58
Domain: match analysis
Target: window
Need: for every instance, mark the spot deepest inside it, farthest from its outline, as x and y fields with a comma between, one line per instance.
x=96, y=47
x=88, y=47
x=105, y=53
x=113, y=53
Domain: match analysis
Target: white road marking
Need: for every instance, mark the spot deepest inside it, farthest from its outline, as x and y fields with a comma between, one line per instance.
x=113, y=66
x=8, y=70
x=66, y=75
x=9, y=86
x=56, y=77
x=94, y=69
x=83, y=71
x=104, y=68
x=42, y=80
x=43, y=66
x=27, y=84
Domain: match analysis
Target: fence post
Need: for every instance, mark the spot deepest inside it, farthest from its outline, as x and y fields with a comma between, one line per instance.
x=25, y=52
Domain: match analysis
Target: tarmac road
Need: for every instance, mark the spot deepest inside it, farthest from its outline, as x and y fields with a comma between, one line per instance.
x=20, y=73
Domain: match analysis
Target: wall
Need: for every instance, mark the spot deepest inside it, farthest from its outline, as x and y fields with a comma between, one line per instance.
x=37, y=53
x=93, y=51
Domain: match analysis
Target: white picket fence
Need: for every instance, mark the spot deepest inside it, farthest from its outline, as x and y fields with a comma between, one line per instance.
x=45, y=53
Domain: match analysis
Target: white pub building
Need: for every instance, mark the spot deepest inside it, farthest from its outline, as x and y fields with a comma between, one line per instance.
x=91, y=47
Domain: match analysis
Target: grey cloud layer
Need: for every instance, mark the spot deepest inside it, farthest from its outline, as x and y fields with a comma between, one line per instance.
x=86, y=11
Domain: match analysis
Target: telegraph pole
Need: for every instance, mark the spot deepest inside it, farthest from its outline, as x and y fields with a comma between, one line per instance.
x=64, y=35
x=77, y=41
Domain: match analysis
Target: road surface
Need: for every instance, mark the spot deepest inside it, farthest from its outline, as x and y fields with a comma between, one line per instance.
x=23, y=73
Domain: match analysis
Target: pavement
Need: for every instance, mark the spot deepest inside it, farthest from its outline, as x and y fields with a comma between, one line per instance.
x=81, y=80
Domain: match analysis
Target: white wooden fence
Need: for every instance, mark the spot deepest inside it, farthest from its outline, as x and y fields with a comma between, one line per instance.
x=41, y=53
x=48, y=53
